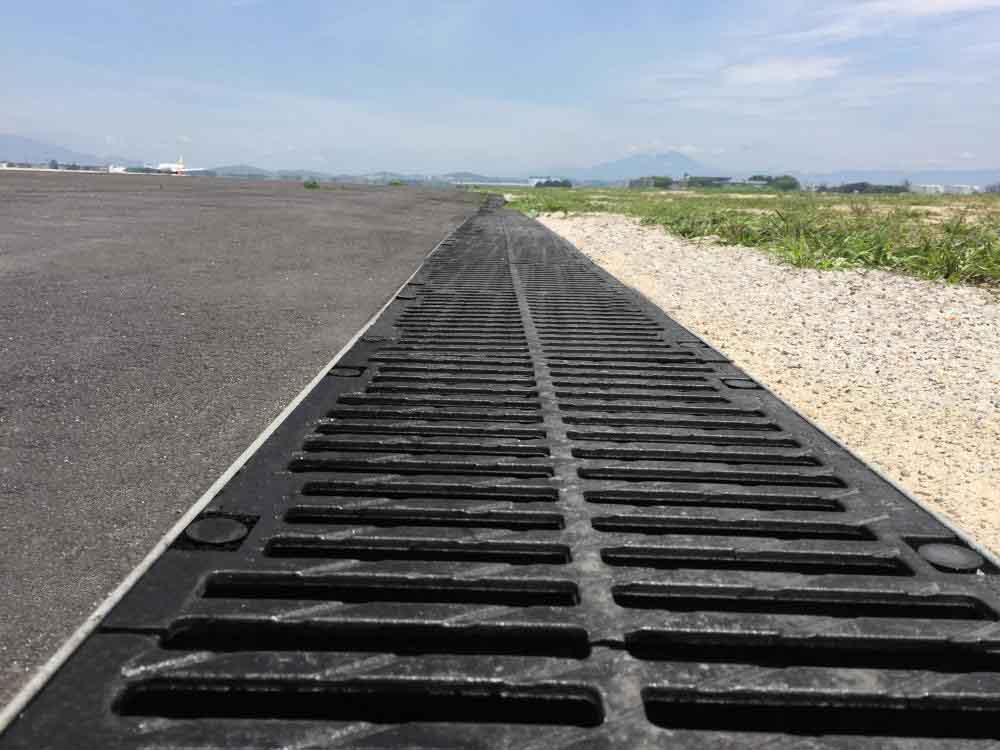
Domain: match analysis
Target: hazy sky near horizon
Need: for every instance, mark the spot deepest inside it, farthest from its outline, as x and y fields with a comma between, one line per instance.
x=509, y=87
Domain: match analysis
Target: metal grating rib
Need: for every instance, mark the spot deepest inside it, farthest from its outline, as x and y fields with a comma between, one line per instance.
x=529, y=510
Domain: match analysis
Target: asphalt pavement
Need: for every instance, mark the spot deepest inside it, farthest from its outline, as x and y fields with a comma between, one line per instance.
x=150, y=329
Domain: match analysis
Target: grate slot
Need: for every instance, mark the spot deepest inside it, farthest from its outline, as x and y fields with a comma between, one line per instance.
x=778, y=561
x=940, y=654
x=663, y=525
x=631, y=391
x=442, y=415
x=684, y=438
x=380, y=701
x=418, y=548
x=696, y=456
x=427, y=517
x=646, y=474
x=502, y=401
x=341, y=426
x=671, y=380
x=475, y=492
x=673, y=498
x=444, y=389
x=243, y=633
x=812, y=602
x=396, y=445
x=509, y=592
x=818, y=712
x=455, y=359
x=436, y=369
x=611, y=412
x=312, y=463
x=600, y=396
x=392, y=377
x=660, y=372
x=702, y=424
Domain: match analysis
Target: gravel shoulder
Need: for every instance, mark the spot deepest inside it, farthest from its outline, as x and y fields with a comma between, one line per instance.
x=905, y=372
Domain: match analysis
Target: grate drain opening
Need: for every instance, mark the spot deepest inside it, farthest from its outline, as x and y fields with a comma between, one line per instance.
x=510, y=592
x=411, y=638
x=382, y=701
x=818, y=713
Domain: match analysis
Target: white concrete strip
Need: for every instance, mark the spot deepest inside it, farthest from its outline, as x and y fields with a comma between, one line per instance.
x=24, y=696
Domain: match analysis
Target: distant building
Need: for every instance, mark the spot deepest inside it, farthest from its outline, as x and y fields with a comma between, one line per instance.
x=663, y=182
x=946, y=189
x=696, y=181
x=535, y=180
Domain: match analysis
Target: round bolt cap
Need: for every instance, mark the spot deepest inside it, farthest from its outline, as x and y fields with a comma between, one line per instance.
x=216, y=530
x=951, y=557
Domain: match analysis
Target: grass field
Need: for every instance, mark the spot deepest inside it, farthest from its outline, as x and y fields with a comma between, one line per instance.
x=950, y=237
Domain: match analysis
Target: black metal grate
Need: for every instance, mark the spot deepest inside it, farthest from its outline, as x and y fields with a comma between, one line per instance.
x=529, y=510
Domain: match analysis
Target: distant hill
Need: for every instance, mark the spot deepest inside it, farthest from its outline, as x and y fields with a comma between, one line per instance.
x=468, y=177
x=242, y=170
x=477, y=178
x=668, y=163
x=21, y=149
x=18, y=148
x=301, y=174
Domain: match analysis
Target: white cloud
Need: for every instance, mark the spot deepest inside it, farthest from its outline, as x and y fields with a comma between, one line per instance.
x=921, y=7
x=784, y=70
x=852, y=20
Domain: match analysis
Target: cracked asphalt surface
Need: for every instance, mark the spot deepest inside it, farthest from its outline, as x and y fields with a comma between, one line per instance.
x=150, y=328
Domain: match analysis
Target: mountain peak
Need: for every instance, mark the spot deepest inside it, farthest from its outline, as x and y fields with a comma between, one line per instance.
x=665, y=163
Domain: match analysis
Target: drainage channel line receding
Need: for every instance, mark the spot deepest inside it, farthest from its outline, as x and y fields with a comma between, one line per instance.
x=507, y=518
x=587, y=560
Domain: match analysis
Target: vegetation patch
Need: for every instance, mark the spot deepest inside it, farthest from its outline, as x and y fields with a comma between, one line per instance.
x=951, y=237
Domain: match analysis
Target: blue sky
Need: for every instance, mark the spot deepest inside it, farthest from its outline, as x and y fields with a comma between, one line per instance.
x=509, y=87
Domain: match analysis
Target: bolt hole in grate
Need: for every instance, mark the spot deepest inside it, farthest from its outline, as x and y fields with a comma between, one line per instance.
x=527, y=508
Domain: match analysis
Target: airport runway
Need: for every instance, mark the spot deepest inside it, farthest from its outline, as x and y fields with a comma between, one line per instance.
x=150, y=328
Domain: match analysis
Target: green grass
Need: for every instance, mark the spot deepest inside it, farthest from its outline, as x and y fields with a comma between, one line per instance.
x=954, y=238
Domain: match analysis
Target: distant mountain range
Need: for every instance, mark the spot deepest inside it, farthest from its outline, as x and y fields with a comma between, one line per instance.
x=20, y=149
x=242, y=170
x=249, y=171
x=668, y=163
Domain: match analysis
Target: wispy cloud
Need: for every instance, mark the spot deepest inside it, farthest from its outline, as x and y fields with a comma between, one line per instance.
x=853, y=20
x=784, y=70
x=433, y=86
x=921, y=7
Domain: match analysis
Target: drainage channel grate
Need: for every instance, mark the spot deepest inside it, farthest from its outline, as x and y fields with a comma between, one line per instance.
x=528, y=509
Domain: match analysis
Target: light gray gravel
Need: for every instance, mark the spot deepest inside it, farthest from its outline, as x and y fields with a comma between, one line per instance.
x=903, y=371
